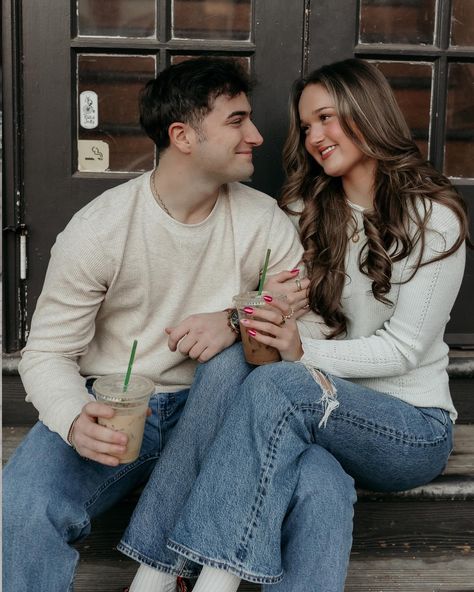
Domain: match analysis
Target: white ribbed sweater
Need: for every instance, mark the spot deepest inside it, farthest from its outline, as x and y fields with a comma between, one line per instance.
x=398, y=350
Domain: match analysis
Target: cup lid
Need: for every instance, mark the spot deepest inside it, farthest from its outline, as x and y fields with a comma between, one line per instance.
x=249, y=298
x=110, y=388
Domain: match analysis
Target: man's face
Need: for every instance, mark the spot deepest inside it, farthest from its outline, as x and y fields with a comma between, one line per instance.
x=225, y=140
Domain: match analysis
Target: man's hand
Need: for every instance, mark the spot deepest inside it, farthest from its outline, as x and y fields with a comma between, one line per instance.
x=94, y=441
x=201, y=336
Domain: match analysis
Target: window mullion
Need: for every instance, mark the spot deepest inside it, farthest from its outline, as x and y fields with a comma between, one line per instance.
x=438, y=112
x=443, y=24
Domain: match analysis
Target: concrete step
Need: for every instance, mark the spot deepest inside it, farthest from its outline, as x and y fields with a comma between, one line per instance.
x=442, y=574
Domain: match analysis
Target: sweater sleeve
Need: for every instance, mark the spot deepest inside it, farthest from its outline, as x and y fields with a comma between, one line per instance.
x=420, y=316
x=284, y=242
x=62, y=327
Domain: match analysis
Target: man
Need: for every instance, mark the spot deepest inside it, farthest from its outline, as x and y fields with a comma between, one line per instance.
x=156, y=259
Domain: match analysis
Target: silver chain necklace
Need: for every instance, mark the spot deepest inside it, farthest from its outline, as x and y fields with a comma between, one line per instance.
x=156, y=195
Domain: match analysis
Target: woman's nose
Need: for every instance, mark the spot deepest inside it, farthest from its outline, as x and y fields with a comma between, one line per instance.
x=315, y=135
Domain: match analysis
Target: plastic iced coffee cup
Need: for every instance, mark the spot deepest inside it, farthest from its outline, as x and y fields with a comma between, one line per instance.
x=256, y=353
x=130, y=408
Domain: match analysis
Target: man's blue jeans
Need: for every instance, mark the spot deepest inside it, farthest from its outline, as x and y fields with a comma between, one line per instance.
x=270, y=498
x=50, y=495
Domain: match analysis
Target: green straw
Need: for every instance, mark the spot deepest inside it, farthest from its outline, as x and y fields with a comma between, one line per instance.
x=264, y=272
x=130, y=364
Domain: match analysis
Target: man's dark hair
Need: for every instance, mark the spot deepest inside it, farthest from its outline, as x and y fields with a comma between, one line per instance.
x=186, y=92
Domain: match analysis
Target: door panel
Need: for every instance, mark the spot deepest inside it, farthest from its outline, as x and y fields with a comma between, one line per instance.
x=109, y=61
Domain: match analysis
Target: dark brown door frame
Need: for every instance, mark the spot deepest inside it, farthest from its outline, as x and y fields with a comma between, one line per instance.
x=13, y=288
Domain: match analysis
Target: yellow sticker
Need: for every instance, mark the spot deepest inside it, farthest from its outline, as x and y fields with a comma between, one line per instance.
x=93, y=155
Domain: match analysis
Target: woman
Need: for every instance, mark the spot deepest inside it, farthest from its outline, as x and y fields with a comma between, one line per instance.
x=384, y=237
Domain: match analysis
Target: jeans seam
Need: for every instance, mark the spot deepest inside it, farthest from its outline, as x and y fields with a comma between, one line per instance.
x=167, y=407
x=263, y=481
x=383, y=431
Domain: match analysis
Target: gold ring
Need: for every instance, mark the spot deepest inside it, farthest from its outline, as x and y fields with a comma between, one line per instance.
x=298, y=283
x=283, y=321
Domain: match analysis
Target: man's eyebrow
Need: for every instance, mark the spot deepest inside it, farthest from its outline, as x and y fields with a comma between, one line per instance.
x=239, y=113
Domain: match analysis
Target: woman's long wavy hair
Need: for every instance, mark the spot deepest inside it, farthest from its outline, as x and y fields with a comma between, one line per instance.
x=405, y=186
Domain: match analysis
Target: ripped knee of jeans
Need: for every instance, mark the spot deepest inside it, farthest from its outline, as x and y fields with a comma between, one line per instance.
x=329, y=393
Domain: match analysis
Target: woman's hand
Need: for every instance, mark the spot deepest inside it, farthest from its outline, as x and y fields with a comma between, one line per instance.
x=289, y=284
x=278, y=320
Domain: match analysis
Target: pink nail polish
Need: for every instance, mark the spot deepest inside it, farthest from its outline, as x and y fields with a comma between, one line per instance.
x=295, y=271
x=248, y=310
x=251, y=332
x=267, y=298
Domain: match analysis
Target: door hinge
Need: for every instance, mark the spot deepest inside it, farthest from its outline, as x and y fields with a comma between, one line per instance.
x=22, y=232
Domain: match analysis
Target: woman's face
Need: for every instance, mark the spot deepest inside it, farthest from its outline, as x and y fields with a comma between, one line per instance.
x=325, y=140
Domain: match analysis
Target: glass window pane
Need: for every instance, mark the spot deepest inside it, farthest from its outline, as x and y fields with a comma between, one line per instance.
x=459, y=147
x=109, y=133
x=412, y=84
x=392, y=21
x=116, y=18
x=212, y=19
x=462, y=22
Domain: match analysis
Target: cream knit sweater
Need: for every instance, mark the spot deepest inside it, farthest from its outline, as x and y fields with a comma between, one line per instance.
x=124, y=270
x=398, y=350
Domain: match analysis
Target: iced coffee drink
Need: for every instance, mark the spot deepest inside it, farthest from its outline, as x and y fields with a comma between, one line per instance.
x=130, y=408
x=256, y=353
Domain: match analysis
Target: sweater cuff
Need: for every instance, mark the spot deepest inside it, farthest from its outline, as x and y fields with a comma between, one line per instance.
x=69, y=434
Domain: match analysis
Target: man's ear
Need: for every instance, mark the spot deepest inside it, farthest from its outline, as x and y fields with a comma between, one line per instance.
x=181, y=135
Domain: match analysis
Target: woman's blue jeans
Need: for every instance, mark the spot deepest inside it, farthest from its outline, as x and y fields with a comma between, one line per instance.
x=270, y=497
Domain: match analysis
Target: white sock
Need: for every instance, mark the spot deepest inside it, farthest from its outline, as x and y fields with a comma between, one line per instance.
x=148, y=579
x=216, y=580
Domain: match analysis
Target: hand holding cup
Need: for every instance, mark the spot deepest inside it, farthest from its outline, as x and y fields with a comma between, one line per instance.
x=94, y=441
x=293, y=286
x=275, y=326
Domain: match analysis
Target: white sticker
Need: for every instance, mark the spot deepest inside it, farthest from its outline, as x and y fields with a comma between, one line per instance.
x=89, y=109
x=93, y=155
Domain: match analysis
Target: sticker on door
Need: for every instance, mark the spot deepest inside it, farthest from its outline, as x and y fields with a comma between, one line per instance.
x=93, y=155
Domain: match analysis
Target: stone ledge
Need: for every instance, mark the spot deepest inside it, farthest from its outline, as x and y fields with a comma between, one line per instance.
x=461, y=364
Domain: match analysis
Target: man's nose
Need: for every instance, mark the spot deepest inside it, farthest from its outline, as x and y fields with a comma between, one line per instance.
x=253, y=136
